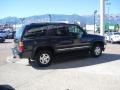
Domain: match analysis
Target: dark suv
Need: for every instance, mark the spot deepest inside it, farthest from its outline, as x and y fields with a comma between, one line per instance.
x=41, y=41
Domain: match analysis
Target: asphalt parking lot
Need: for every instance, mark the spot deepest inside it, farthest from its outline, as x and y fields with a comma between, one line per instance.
x=69, y=72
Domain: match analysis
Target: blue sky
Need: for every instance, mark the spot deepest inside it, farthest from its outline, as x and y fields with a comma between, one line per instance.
x=25, y=8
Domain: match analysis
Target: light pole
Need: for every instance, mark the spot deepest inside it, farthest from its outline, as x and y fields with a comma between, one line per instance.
x=22, y=20
x=95, y=20
x=108, y=4
x=102, y=13
x=50, y=18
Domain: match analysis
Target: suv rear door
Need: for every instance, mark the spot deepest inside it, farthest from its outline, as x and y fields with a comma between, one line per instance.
x=80, y=37
x=35, y=37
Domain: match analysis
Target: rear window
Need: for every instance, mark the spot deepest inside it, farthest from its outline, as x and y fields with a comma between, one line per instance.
x=19, y=32
x=36, y=32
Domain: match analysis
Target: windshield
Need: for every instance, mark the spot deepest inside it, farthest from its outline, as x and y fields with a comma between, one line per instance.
x=19, y=32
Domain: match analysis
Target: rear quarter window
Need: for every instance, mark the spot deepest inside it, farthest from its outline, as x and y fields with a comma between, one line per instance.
x=35, y=32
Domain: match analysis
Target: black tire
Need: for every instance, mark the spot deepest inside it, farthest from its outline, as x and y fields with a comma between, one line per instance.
x=44, y=58
x=96, y=50
x=2, y=41
x=111, y=41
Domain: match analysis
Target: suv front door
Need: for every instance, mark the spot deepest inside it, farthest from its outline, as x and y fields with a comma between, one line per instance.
x=79, y=40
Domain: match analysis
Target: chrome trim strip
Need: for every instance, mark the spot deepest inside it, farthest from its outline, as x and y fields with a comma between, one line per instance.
x=73, y=48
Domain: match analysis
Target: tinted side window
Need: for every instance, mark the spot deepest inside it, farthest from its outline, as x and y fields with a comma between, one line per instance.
x=75, y=30
x=61, y=30
x=36, y=32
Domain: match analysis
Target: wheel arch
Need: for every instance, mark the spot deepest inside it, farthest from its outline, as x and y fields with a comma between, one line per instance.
x=38, y=49
x=99, y=43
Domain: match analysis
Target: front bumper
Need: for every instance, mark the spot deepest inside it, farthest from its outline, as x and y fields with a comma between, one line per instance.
x=116, y=40
x=2, y=39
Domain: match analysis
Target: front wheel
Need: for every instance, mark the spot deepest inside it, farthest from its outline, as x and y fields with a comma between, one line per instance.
x=111, y=41
x=44, y=58
x=96, y=51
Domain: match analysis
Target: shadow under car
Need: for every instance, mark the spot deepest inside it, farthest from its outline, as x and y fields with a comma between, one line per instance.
x=75, y=60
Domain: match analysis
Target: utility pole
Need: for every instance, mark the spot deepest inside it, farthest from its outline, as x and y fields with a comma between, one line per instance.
x=22, y=20
x=95, y=20
x=102, y=13
x=108, y=4
x=50, y=18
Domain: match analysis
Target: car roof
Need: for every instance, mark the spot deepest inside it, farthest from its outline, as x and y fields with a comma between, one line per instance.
x=34, y=25
x=49, y=23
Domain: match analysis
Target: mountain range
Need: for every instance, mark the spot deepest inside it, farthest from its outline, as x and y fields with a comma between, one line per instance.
x=86, y=19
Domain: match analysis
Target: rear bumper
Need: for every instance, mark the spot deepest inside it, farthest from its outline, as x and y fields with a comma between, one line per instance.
x=16, y=53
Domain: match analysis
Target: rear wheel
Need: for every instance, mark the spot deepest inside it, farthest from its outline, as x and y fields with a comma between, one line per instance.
x=44, y=58
x=96, y=50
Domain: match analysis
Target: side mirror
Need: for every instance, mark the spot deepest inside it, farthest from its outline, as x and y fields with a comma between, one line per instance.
x=82, y=34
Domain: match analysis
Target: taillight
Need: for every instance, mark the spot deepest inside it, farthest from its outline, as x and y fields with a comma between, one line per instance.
x=21, y=46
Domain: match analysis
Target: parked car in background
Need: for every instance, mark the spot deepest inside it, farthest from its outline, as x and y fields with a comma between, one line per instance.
x=2, y=39
x=11, y=34
x=3, y=33
x=2, y=36
x=112, y=37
